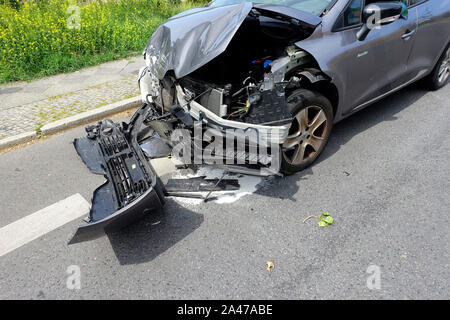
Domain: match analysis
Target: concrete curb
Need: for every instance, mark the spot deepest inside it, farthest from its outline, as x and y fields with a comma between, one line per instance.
x=91, y=115
x=66, y=123
x=17, y=139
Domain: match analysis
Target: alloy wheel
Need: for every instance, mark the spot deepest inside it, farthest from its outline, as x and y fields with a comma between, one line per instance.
x=306, y=136
x=444, y=70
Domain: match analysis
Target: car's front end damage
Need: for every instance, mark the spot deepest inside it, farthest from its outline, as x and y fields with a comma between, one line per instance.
x=229, y=66
x=224, y=69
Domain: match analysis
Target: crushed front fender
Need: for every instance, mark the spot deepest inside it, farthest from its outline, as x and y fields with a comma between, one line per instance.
x=132, y=188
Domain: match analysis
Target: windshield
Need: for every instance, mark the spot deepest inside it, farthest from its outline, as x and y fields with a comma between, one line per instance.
x=315, y=7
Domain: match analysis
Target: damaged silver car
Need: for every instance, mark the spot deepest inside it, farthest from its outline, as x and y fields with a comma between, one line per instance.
x=285, y=71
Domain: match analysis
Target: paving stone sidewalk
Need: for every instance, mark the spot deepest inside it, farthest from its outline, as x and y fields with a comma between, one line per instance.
x=28, y=106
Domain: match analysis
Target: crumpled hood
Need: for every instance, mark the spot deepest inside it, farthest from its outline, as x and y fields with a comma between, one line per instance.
x=193, y=38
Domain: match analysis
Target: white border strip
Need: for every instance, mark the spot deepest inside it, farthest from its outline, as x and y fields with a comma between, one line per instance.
x=37, y=224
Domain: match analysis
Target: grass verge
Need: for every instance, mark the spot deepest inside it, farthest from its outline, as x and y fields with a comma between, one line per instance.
x=43, y=37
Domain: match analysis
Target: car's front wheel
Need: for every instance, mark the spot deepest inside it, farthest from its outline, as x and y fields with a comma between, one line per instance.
x=311, y=126
x=441, y=72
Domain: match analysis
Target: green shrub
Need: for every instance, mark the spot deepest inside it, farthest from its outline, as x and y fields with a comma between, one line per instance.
x=42, y=37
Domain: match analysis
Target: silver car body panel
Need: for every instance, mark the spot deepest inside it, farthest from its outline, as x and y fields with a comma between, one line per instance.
x=193, y=38
x=189, y=40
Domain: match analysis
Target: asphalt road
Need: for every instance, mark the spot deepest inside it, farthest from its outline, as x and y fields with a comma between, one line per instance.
x=384, y=178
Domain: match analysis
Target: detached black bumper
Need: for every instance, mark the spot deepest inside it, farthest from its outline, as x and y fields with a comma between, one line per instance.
x=132, y=189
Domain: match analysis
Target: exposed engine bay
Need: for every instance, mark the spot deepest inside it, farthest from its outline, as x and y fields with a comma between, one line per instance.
x=245, y=83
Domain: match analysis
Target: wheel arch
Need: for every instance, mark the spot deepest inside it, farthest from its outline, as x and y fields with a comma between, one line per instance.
x=315, y=80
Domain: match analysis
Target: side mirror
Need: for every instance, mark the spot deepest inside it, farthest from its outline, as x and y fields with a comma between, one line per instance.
x=377, y=14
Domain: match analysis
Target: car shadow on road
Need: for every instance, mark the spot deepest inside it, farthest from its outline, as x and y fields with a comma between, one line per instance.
x=144, y=241
x=284, y=187
x=384, y=110
x=381, y=111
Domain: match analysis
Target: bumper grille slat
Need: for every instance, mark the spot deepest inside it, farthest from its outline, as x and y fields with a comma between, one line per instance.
x=118, y=154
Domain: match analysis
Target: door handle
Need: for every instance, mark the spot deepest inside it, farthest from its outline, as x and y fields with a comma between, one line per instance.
x=408, y=34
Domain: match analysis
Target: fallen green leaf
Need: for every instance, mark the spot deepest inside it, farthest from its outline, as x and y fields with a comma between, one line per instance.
x=322, y=223
x=324, y=219
x=328, y=220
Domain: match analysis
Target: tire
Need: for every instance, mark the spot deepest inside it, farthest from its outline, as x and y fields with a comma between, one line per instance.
x=441, y=72
x=313, y=114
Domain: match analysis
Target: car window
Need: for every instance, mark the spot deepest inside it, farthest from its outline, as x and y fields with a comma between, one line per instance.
x=315, y=7
x=351, y=15
x=408, y=3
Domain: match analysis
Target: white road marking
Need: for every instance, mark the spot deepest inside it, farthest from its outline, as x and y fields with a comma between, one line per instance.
x=37, y=224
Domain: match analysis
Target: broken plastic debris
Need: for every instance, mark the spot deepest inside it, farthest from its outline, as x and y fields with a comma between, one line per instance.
x=197, y=184
x=270, y=265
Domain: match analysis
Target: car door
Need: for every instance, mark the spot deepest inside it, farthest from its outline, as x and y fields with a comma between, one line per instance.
x=362, y=71
x=432, y=34
x=378, y=64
